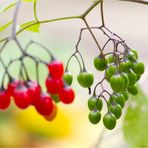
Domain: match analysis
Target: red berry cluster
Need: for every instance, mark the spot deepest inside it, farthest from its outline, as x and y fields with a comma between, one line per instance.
x=26, y=93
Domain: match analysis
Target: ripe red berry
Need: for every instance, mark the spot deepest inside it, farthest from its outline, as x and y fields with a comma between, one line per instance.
x=54, y=85
x=66, y=95
x=56, y=69
x=4, y=99
x=21, y=97
x=12, y=85
x=33, y=90
x=44, y=105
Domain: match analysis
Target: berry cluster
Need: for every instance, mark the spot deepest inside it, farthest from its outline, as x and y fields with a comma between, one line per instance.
x=27, y=92
x=122, y=69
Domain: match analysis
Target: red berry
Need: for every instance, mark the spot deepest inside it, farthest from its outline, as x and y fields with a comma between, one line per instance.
x=66, y=95
x=44, y=105
x=33, y=90
x=4, y=99
x=21, y=97
x=56, y=69
x=12, y=85
x=54, y=85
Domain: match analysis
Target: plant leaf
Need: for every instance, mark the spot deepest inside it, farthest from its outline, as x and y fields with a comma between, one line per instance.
x=5, y=26
x=7, y=7
x=135, y=125
x=34, y=28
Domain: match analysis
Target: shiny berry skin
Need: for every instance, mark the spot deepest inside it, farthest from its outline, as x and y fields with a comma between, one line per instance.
x=116, y=109
x=132, y=77
x=12, y=85
x=33, y=90
x=66, y=95
x=68, y=78
x=56, y=69
x=44, y=105
x=92, y=103
x=138, y=67
x=53, y=114
x=125, y=94
x=100, y=63
x=135, y=52
x=94, y=117
x=125, y=66
x=131, y=56
x=117, y=82
x=85, y=79
x=109, y=121
x=133, y=90
x=4, y=99
x=54, y=85
x=126, y=80
x=110, y=71
x=21, y=97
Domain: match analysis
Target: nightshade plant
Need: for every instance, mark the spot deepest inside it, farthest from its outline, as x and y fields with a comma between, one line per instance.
x=121, y=69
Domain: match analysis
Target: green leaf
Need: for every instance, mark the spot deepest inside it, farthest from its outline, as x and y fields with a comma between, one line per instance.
x=34, y=28
x=135, y=125
x=5, y=26
x=7, y=7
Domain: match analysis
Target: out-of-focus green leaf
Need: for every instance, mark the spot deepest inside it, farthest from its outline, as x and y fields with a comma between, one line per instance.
x=28, y=0
x=34, y=28
x=135, y=125
x=7, y=7
x=5, y=26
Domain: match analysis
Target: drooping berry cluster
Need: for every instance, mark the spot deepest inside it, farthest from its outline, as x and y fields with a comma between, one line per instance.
x=27, y=92
x=122, y=69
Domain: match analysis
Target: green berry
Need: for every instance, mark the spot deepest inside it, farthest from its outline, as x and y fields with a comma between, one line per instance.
x=55, y=97
x=100, y=63
x=99, y=104
x=109, y=121
x=126, y=95
x=111, y=70
x=94, y=117
x=132, y=78
x=131, y=56
x=68, y=78
x=92, y=103
x=138, y=67
x=117, y=82
x=85, y=79
x=135, y=52
x=133, y=90
x=126, y=80
x=116, y=109
x=125, y=66
x=111, y=59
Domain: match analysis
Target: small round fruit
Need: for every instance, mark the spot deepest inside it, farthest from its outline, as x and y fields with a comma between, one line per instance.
x=133, y=90
x=55, y=97
x=126, y=95
x=68, y=78
x=110, y=71
x=131, y=56
x=92, y=103
x=135, y=52
x=56, y=69
x=125, y=66
x=138, y=67
x=111, y=59
x=66, y=95
x=117, y=82
x=132, y=78
x=85, y=79
x=126, y=81
x=100, y=63
x=116, y=109
x=109, y=121
x=94, y=117
x=99, y=104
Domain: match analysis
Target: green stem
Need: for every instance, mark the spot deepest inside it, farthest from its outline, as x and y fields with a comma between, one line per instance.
x=137, y=1
x=35, y=13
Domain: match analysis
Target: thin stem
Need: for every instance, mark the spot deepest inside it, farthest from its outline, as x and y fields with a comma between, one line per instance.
x=15, y=19
x=35, y=12
x=1, y=49
x=102, y=13
x=137, y=1
x=92, y=35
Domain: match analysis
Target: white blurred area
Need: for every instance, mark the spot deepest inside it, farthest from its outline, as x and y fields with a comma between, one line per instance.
x=128, y=20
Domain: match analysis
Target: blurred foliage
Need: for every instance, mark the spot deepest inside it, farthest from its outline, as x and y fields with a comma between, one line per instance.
x=135, y=125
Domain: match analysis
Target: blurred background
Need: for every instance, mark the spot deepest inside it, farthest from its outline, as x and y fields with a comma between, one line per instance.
x=71, y=128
